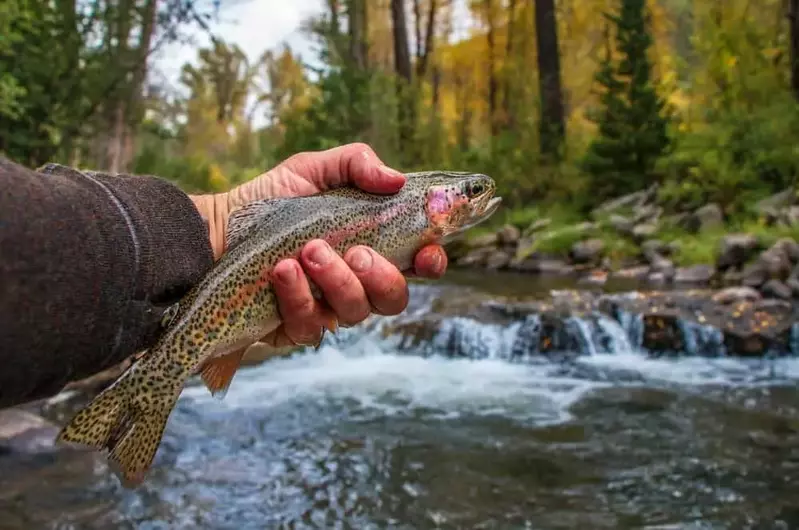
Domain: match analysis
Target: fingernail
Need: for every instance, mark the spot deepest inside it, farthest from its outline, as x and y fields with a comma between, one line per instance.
x=286, y=274
x=320, y=254
x=360, y=260
x=393, y=173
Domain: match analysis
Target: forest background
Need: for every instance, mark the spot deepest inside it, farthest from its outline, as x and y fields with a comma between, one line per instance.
x=566, y=103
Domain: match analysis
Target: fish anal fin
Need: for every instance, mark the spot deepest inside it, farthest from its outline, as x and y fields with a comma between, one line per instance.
x=248, y=217
x=217, y=373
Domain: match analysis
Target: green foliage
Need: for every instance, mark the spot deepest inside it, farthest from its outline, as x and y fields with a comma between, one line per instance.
x=632, y=121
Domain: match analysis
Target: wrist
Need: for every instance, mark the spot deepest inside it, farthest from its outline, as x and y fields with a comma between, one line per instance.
x=214, y=208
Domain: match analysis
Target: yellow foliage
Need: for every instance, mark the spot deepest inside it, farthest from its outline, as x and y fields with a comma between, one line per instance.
x=217, y=180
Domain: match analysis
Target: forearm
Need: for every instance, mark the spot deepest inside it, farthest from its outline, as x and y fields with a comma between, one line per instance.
x=88, y=263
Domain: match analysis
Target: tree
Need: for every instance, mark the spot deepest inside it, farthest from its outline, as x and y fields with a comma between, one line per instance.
x=552, y=128
x=632, y=120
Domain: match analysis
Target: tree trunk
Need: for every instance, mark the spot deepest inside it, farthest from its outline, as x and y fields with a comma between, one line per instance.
x=552, y=126
x=402, y=66
x=507, y=115
x=357, y=30
x=492, y=76
x=793, y=17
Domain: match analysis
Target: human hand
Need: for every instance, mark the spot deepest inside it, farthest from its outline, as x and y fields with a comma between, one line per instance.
x=355, y=285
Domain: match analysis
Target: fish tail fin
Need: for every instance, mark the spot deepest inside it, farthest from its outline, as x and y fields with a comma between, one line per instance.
x=128, y=427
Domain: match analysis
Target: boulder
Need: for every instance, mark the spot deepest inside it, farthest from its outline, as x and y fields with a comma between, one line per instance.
x=588, y=251
x=731, y=295
x=735, y=250
x=644, y=231
x=621, y=224
x=696, y=274
x=508, y=235
x=776, y=202
x=476, y=257
x=776, y=289
x=663, y=266
x=708, y=217
x=789, y=247
x=24, y=432
x=484, y=240
x=498, y=259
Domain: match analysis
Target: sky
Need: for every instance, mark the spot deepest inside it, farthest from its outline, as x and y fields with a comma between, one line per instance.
x=255, y=25
x=258, y=25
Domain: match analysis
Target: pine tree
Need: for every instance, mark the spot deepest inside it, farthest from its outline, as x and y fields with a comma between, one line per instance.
x=632, y=119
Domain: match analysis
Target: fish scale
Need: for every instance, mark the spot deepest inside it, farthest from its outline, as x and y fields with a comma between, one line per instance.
x=235, y=305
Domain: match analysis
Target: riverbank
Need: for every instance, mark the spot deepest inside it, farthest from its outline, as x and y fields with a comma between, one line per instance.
x=633, y=238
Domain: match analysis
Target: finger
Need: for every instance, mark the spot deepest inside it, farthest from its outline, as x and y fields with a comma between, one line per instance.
x=384, y=284
x=341, y=288
x=430, y=262
x=280, y=338
x=354, y=163
x=302, y=315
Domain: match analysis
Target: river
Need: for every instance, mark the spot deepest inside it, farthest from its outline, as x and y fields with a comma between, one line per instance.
x=360, y=435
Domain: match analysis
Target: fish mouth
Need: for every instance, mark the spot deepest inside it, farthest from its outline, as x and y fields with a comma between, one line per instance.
x=480, y=214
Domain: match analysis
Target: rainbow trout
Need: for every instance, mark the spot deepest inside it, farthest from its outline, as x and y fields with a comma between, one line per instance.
x=234, y=305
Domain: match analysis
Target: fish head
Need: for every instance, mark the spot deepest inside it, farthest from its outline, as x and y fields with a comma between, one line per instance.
x=454, y=201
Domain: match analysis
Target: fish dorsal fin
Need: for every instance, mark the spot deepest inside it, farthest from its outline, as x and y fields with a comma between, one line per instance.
x=243, y=221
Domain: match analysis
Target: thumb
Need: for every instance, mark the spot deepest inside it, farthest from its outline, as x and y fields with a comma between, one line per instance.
x=357, y=164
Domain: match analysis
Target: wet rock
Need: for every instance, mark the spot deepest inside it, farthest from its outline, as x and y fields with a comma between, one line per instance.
x=776, y=289
x=793, y=283
x=735, y=250
x=776, y=262
x=754, y=275
x=708, y=217
x=662, y=334
x=24, y=432
x=663, y=266
x=588, y=251
x=696, y=274
x=508, y=235
x=788, y=247
x=732, y=295
x=632, y=273
x=498, y=260
x=657, y=279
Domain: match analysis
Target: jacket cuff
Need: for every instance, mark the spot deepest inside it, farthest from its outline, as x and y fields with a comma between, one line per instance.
x=171, y=239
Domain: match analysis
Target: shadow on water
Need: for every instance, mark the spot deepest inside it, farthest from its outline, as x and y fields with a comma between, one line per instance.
x=357, y=435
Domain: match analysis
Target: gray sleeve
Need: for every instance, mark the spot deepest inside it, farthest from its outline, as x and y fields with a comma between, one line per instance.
x=88, y=263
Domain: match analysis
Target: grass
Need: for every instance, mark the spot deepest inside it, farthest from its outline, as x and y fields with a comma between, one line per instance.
x=691, y=249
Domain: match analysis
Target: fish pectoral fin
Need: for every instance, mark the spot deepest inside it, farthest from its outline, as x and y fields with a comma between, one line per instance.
x=219, y=371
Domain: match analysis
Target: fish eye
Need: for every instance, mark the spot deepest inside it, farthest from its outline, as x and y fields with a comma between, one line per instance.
x=476, y=188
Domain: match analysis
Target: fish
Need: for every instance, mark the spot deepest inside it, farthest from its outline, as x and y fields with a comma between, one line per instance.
x=234, y=305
